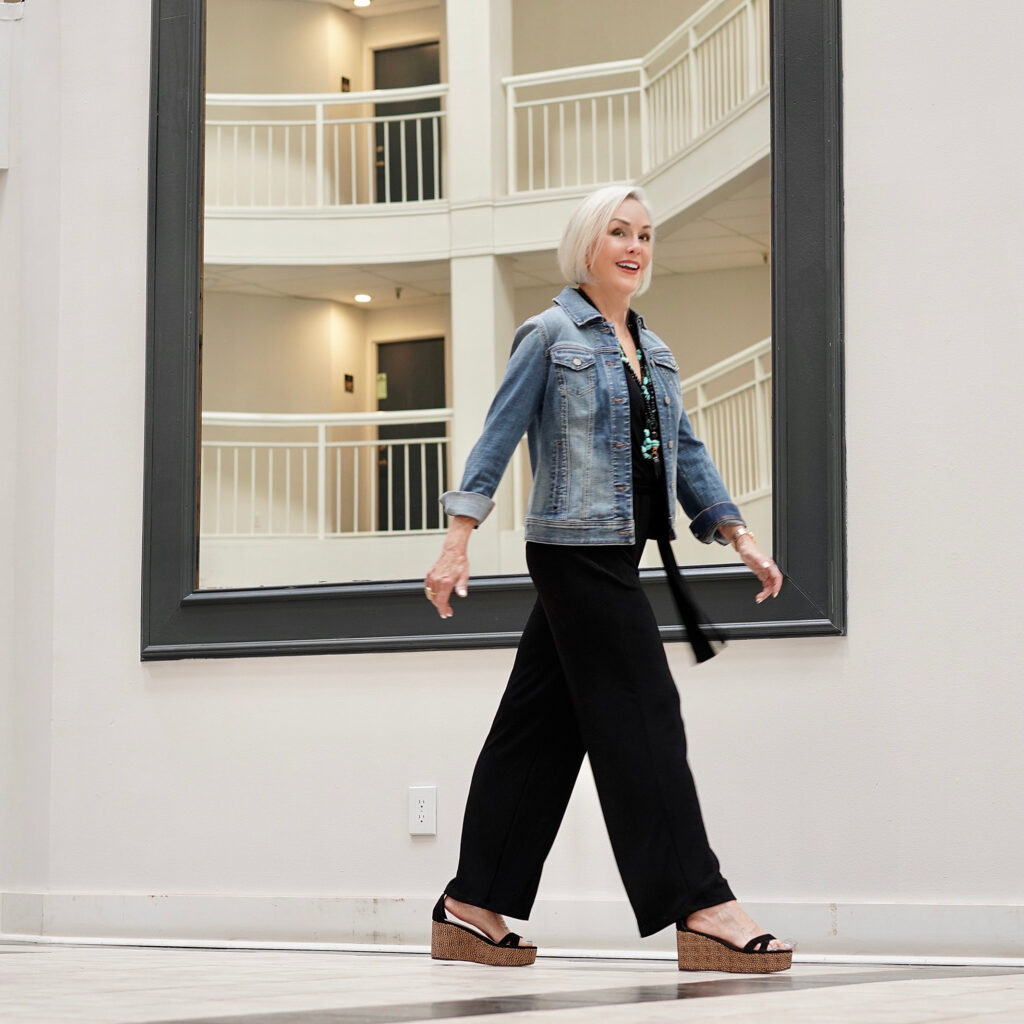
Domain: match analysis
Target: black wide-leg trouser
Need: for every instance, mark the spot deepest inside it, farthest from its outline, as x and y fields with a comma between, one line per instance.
x=590, y=677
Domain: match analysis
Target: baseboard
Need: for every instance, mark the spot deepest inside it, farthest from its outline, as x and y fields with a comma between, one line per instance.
x=898, y=931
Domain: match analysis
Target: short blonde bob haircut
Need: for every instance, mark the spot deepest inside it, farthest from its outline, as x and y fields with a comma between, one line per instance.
x=586, y=228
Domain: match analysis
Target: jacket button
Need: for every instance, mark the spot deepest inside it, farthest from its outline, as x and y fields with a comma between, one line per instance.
x=576, y=362
x=666, y=399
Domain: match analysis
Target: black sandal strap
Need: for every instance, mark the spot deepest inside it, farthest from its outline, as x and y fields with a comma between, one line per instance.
x=510, y=941
x=439, y=914
x=758, y=945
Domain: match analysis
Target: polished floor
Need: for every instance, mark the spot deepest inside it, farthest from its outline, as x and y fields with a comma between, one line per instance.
x=121, y=984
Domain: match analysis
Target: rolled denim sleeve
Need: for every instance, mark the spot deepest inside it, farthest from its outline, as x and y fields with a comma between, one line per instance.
x=519, y=399
x=700, y=488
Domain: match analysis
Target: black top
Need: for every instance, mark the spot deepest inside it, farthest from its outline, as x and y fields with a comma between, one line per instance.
x=643, y=415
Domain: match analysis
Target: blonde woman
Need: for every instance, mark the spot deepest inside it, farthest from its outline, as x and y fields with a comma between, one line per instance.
x=612, y=449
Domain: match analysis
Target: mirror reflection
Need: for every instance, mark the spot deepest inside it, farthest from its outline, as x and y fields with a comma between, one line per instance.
x=382, y=210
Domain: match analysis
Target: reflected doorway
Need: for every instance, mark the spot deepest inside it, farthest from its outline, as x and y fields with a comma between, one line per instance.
x=408, y=150
x=410, y=476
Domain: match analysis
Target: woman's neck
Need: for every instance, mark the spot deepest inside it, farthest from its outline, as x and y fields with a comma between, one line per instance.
x=613, y=306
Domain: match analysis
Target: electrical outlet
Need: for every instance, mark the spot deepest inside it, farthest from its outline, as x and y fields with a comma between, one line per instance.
x=423, y=810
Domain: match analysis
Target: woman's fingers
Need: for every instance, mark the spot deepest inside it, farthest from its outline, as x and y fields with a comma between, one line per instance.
x=771, y=581
x=441, y=599
x=767, y=572
x=445, y=576
x=438, y=587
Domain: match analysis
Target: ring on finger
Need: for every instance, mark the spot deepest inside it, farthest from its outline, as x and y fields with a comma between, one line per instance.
x=429, y=593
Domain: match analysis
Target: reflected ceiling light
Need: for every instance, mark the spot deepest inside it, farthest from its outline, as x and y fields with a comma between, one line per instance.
x=362, y=296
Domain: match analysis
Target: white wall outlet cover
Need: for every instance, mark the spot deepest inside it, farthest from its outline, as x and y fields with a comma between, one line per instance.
x=423, y=810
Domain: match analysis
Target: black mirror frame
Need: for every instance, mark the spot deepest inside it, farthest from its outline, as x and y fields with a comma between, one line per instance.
x=179, y=621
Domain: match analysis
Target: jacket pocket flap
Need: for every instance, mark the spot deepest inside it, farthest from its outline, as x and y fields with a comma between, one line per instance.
x=572, y=358
x=663, y=357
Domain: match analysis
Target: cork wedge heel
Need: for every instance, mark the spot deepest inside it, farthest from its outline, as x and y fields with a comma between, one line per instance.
x=700, y=952
x=452, y=941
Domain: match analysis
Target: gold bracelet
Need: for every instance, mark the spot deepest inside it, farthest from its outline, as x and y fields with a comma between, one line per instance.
x=741, y=532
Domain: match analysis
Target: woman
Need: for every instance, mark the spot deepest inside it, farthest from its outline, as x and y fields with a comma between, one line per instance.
x=611, y=449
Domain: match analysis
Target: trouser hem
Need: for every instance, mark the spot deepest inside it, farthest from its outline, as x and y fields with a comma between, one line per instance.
x=520, y=913
x=708, y=898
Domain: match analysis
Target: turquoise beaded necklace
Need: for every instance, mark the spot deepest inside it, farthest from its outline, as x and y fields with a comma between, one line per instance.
x=650, y=449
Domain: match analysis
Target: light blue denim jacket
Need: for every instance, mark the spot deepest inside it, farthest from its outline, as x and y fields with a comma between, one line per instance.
x=566, y=385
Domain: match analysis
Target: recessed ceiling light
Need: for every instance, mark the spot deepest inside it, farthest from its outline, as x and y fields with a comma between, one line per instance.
x=360, y=3
x=362, y=296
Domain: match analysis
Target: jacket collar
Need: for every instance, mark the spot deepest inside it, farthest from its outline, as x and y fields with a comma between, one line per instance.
x=581, y=311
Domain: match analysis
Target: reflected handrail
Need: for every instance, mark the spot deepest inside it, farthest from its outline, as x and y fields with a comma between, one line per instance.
x=641, y=113
x=730, y=408
x=339, y=480
x=323, y=150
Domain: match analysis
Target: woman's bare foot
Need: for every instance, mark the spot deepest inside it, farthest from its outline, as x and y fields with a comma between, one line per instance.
x=491, y=924
x=731, y=922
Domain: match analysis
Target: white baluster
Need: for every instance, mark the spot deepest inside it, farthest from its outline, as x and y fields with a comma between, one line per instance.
x=319, y=151
x=321, y=480
x=510, y=137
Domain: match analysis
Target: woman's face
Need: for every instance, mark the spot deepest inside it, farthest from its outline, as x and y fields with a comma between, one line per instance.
x=624, y=250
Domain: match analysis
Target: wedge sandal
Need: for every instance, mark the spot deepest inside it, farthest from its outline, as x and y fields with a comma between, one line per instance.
x=450, y=940
x=700, y=952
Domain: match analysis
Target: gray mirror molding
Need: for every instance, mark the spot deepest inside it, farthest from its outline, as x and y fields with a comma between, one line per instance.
x=179, y=621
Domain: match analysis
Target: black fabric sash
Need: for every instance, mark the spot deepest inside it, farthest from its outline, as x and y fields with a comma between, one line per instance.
x=698, y=631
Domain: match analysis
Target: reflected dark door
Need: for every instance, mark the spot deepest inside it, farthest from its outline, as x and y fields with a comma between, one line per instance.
x=409, y=150
x=414, y=378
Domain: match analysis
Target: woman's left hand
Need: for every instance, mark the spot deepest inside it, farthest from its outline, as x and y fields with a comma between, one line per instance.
x=762, y=567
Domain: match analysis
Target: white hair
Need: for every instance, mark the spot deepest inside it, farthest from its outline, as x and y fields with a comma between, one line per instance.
x=586, y=229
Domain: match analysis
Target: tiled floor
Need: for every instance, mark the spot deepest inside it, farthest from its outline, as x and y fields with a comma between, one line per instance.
x=118, y=985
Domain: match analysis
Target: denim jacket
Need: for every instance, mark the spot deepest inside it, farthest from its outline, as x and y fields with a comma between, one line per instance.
x=565, y=385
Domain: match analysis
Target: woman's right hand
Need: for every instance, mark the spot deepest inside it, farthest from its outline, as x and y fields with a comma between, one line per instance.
x=451, y=570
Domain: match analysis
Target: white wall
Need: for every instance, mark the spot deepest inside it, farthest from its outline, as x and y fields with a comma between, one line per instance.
x=879, y=773
x=302, y=45
x=549, y=35
x=268, y=46
x=32, y=195
x=280, y=354
x=10, y=293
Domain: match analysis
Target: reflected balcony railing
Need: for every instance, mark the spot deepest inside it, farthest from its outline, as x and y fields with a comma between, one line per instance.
x=730, y=409
x=586, y=126
x=340, y=477
x=267, y=475
x=325, y=150
x=571, y=128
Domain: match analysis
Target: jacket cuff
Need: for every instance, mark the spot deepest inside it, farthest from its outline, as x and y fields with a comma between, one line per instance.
x=467, y=503
x=704, y=526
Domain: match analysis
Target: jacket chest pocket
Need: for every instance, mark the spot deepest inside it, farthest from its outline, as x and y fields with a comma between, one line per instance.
x=667, y=372
x=575, y=370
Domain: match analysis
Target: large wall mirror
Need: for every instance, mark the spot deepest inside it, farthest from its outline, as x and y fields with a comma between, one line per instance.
x=318, y=285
